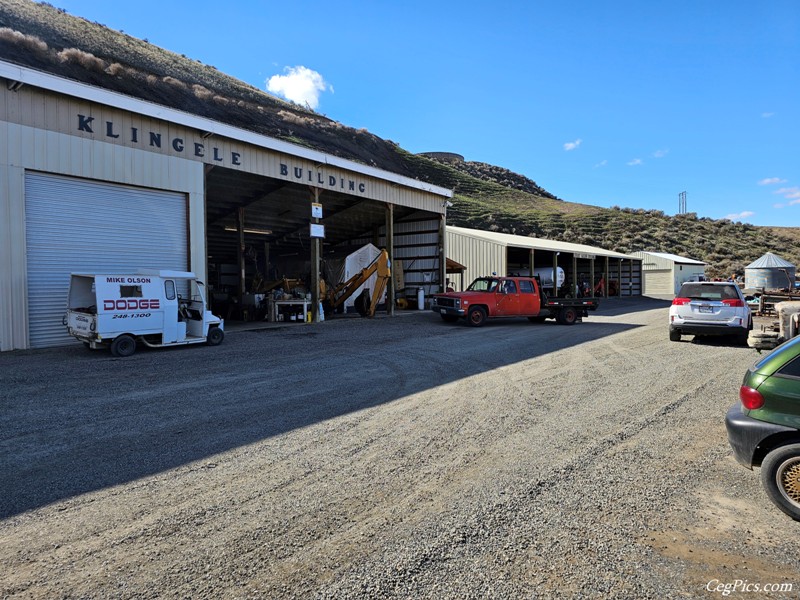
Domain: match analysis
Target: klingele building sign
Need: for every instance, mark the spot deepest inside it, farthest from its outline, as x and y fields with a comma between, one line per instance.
x=198, y=149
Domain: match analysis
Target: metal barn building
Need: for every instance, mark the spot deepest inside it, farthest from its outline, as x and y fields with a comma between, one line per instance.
x=93, y=180
x=485, y=252
x=664, y=273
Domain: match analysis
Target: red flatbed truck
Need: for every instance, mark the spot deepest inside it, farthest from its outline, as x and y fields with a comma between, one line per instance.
x=497, y=297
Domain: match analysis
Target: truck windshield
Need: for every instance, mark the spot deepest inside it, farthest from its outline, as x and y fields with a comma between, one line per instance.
x=483, y=284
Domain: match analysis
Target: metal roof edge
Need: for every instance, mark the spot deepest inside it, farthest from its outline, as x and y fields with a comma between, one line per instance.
x=550, y=245
x=92, y=93
x=681, y=260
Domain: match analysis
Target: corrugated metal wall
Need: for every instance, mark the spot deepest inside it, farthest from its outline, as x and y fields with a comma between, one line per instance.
x=770, y=278
x=481, y=257
x=416, y=244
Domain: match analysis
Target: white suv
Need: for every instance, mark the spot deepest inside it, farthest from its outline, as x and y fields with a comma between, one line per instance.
x=709, y=308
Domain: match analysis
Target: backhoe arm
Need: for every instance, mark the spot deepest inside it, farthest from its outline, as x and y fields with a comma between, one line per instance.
x=343, y=291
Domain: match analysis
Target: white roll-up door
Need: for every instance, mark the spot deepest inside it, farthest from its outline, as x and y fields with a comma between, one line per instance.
x=76, y=225
x=658, y=283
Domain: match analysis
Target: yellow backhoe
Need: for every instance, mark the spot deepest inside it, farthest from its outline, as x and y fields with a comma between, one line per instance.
x=364, y=304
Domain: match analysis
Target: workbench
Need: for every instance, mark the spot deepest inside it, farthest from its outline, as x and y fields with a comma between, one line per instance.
x=275, y=309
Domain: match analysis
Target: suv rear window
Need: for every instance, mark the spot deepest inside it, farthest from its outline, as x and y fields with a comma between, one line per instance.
x=705, y=291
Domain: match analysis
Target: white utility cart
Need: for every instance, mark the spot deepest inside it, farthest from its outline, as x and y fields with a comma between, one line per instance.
x=155, y=307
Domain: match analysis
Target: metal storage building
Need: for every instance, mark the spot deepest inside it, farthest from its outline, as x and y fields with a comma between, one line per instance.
x=486, y=252
x=769, y=272
x=664, y=273
x=94, y=180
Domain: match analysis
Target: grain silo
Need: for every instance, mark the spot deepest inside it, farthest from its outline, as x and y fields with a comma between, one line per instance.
x=769, y=272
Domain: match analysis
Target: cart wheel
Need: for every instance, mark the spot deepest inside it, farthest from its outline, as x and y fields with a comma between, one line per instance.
x=215, y=336
x=123, y=345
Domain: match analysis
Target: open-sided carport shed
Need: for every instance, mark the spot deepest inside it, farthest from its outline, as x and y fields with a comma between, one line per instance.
x=487, y=252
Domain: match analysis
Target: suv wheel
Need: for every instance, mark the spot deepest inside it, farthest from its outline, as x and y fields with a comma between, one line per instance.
x=780, y=475
x=674, y=336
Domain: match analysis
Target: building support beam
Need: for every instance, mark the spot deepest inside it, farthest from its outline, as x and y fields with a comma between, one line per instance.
x=390, y=289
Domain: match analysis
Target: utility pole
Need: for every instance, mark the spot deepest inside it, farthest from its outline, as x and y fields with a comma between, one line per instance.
x=682, y=203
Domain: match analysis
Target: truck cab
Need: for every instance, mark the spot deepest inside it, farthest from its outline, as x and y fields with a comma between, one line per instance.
x=157, y=308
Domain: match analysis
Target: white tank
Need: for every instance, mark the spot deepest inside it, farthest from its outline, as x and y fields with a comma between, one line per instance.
x=546, y=276
x=420, y=298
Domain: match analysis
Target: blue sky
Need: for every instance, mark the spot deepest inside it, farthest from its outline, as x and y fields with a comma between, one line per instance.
x=609, y=103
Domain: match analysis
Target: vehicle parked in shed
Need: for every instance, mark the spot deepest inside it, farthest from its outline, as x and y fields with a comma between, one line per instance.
x=493, y=297
x=710, y=308
x=116, y=311
x=764, y=426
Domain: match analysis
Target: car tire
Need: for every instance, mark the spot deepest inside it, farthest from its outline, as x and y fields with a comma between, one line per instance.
x=476, y=316
x=780, y=476
x=674, y=336
x=215, y=336
x=449, y=318
x=123, y=345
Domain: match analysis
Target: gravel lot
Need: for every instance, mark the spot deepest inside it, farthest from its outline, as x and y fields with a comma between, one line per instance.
x=398, y=457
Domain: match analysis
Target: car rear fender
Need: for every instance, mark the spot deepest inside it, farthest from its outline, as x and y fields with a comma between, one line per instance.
x=769, y=444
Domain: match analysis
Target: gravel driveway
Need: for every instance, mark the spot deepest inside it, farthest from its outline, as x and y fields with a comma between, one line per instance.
x=399, y=457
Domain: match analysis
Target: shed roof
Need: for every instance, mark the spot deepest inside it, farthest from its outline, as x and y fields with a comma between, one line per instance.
x=676, y=259
x=519, y=241
x=770, y=261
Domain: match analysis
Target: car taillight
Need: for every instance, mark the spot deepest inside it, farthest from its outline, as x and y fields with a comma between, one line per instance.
x=734, y=303
x=681, y=301
x=751, y=399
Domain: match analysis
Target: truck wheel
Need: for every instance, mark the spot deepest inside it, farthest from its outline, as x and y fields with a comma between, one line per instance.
x=215, y=336
x=567, y=316
x=780, y=475
x=123, y=345
x=477, y=316
x=674, y=336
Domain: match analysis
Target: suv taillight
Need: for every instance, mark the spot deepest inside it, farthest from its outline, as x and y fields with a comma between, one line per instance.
x=681, y=301
x=733, y=302
x=751, y=399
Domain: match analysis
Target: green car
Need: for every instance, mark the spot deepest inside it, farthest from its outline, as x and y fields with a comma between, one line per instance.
x=764, y=428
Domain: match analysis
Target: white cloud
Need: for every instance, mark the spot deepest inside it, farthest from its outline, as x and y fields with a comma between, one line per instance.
x=635, y=162
x=745, y=214
x=767, y=115
x=602, y=163
x=661, y=153
x=572, y=145
x=791, y=193
x=771, y=181
x=299, y=84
